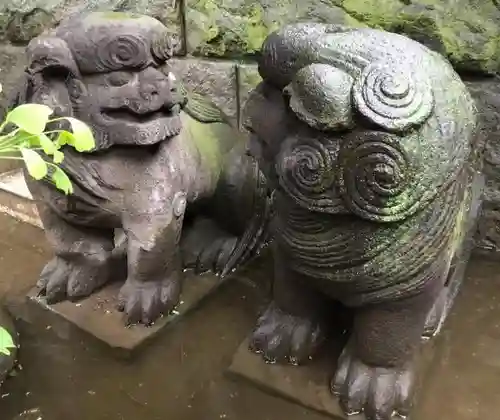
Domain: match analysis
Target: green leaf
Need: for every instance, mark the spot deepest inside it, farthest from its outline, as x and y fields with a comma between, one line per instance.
x=48, y=146
x=62, y=181
x=25, y=139
x=64, y=137
x=30, y=117
x=58, y=156
x=6, y=342
x=82, y=139
x=36, y=166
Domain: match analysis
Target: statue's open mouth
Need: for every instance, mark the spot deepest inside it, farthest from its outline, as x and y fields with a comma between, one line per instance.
x=128, y=115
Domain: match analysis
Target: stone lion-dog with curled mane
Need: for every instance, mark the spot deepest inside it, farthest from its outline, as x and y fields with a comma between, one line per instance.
x=167, y=168
x=367, y=138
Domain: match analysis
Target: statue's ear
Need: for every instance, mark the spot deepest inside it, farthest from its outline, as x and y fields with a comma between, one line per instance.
x=47, y=57
x=320, y=96
x=51, y=54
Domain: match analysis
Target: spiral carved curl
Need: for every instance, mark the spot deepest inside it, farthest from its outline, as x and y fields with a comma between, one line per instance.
x=388, y=95
x=116, y=52
x=378, y=179
x=306, y=171
x=162, y=46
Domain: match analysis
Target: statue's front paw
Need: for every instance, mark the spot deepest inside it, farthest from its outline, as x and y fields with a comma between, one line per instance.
x=381, y=393
x=61, y=279
x=281, y=337
x=143, y=302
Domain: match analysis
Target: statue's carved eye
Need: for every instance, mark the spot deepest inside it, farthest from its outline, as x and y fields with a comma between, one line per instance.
x=119, y=78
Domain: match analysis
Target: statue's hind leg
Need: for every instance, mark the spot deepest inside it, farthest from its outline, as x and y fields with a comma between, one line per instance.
x=205, y=246
x=231, y=226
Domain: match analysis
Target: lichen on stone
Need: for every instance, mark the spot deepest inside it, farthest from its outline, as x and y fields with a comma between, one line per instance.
x=465, y=31
x=239, y=27
x=22, y=20
x=120, y=15
x=214, y=30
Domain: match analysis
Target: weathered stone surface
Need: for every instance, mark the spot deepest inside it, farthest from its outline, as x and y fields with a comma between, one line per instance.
x=248, y=78
x=238, y=27
x=96, y=320
x=487, y=95
x=466, y=31
x=12, y=61
x=22, y=20
x=216, y=80
x=15, y=199
x=307, y=385
x=318, y=178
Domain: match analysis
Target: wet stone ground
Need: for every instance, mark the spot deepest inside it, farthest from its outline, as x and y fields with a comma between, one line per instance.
x=181, y=376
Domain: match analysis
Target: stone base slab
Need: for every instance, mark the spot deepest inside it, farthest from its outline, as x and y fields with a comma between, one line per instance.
x=16, y=199
x=308, y=385
x=95, y=319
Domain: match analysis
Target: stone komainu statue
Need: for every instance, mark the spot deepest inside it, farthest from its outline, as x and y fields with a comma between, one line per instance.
x=367, y=138
x=166, y=169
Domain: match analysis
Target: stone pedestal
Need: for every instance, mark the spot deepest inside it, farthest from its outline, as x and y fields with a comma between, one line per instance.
x=308, y=385
x=96, y=319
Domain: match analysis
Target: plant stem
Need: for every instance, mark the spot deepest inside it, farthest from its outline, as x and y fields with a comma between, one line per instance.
x=7, y=139
x=8, y=151
x=11, y=158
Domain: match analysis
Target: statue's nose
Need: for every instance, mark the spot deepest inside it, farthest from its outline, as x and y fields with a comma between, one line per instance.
x=163, y=91
x=150, y=91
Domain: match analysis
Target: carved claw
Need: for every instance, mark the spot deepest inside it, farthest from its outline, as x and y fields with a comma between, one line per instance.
x=215, y=255
x=205, y=247
x=61, y=280
x=381, y=393
x=281, y=337
x=143, y=302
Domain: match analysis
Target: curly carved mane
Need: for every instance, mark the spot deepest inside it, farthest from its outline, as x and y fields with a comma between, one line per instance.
x=394, y=123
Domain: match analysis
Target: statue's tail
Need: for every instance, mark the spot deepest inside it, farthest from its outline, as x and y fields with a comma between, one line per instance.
x=257, y=233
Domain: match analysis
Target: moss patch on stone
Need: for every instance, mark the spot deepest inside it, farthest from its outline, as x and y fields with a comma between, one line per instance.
x=120, y=15
x=248, y=79
x=22, y=20
x=215, y=31
x=465, y=31
x=208, y=140
x=232, y=28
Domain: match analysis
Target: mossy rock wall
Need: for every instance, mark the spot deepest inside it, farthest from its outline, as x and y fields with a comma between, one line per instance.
x=466, y=31
x=218, y=40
